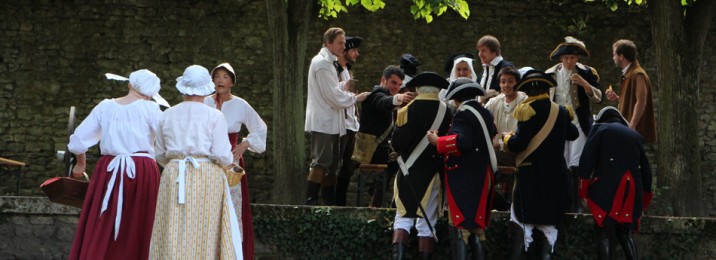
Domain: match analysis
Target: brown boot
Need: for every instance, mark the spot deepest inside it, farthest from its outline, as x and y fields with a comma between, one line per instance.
x=426, y=245
x=400, y=240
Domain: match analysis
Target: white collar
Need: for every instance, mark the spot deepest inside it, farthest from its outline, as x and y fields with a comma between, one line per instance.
x=327, y=54
x=624, y=70
x=496, y=60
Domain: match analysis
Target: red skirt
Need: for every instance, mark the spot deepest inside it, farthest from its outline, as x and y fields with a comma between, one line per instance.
x=247, y=224
x=94, y=238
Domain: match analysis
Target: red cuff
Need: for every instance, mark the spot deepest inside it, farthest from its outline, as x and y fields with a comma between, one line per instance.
x=584, y=188
x=448, y=145
x=646, y=199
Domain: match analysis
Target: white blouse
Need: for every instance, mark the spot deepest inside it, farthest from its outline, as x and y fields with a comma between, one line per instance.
x=193, y=128
x=238, y=112
x=123, y=129
x=502, y=112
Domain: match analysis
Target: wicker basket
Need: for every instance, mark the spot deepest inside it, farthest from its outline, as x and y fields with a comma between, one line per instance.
x=233, y=176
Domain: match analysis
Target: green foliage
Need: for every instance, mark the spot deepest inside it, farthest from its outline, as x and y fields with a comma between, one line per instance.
x=331, y=8
x=421, y=9
x=361, y=233
x=614, y=4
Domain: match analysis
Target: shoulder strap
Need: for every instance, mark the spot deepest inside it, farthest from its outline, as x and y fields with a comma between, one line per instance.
x=540, y=136
x=406, y=164
x=488, y=140
x=386, y=133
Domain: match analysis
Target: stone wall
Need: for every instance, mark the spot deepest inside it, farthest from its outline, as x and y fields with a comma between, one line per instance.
x=54, y=54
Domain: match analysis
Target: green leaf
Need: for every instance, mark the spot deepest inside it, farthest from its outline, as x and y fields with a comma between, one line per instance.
x=614, y=6
x=429, y=18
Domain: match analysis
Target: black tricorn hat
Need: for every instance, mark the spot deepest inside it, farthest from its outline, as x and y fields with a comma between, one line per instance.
x=462, y=87
x=570, y=46
x=450, y=62
x=608, y=113
x=428, y=79
x=353, y=42
x=535, y=79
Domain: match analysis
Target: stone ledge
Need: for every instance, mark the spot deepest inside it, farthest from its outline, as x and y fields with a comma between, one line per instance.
x=34, y=206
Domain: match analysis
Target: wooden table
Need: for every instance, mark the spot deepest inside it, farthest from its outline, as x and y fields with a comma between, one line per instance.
x=370, y=169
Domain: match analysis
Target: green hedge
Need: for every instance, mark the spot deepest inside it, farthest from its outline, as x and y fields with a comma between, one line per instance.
x=301, y=232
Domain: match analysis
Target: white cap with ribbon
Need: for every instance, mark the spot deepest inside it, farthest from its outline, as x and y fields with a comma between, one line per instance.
x=145, y=82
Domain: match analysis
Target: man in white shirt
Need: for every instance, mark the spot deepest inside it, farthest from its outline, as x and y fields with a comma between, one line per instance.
x=325, y=113
x=488, y=48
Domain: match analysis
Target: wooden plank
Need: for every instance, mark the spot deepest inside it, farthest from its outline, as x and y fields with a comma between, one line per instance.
x=8, y=162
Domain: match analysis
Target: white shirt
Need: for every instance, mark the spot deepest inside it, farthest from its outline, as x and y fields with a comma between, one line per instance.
x=351, y=116
x=123, y=129
x=502, y=112
x=326, y=104
x=564, y=85
x=238, y=112
x=193, y=128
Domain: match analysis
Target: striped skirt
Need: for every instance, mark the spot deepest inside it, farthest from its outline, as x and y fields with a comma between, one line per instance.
x=205, y=226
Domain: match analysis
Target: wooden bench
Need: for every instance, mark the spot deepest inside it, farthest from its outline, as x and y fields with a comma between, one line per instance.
x=10, y=167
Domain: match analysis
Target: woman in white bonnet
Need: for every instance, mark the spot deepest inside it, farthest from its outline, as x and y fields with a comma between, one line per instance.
x=239, y=113
x=195, y=218
x=118, y=211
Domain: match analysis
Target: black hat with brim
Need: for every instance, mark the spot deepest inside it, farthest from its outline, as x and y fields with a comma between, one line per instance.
x=535, y=79
x=464, y=87
x=608, y=113
x=353, y=42
x=428, y=79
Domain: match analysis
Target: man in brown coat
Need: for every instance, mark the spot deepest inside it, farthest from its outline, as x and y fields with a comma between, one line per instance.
x=635, y=101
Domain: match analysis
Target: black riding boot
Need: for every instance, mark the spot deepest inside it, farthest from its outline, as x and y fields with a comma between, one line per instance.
x=603, y=243
x=426, y=245
x=546, y=250
x=457, y=244
x=516, y=235
x=400, y=240
x=624, y=235
x=478, y=251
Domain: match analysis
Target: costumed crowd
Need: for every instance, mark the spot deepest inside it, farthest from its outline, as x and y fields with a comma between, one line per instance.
x=462, y=144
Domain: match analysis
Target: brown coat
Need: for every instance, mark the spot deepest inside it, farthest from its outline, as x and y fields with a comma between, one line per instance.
x=647, y=124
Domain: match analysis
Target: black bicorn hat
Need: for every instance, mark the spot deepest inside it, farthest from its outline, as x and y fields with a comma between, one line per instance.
x=428, y=79
x=570, y=46
x=462, y=87
x=353, y=42
x=535, y=79
x=609, y=112
x=450, y=62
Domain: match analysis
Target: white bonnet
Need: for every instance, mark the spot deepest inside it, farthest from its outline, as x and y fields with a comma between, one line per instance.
x=145, y=81
x=195, y=81
x=453, y=73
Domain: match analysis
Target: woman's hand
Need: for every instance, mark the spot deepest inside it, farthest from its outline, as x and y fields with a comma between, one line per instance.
x=79, y=170
x=239, y=150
